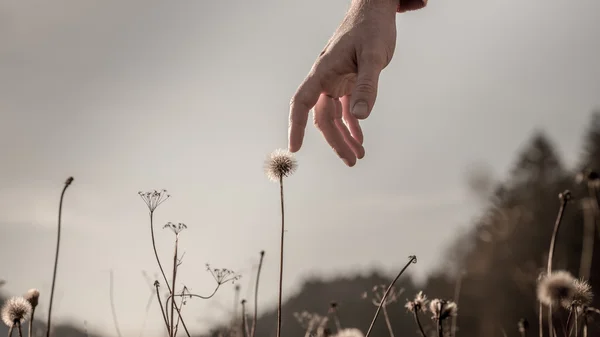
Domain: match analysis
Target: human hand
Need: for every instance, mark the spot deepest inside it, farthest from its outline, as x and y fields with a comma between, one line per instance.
x=342, y=84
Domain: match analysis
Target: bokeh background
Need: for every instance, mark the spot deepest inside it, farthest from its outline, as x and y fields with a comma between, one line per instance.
x=485, y=114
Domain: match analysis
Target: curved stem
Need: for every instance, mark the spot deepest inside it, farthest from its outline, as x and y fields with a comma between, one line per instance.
x=172, y=324
x=416, y=314
x=413, y=259
x=255, y=318
x=62, y=195
x=564, y=200
x=280, y=258
x=156, y=252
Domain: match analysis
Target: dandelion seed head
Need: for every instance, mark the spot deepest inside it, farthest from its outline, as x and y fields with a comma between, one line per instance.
x=32, y=296
x=349, y=332
x=15, y=309
x=582, y=296
x=280, y=164
x=442, y=309
x=557, y=288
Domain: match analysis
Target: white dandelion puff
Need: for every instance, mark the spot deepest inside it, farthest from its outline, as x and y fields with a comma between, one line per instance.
x=15, y=310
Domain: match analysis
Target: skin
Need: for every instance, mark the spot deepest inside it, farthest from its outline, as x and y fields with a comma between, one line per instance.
x=342, y=83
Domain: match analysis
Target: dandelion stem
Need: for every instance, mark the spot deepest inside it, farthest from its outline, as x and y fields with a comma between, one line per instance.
x=161, y=307
x=412, y=259
x=564, y=199
x=387, y=320
x=416, y=314
x=48, y=326
x=112, y=303
x=10, y=330
x=255, y=317
x=440, y=321
x=19, y=329
x=569, y=318
x=31, y=322
x=280, y=258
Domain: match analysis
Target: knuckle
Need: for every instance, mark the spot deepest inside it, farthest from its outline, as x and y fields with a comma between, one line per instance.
x=367, y=86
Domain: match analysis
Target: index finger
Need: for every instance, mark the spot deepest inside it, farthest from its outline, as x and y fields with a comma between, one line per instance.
x=305, y=99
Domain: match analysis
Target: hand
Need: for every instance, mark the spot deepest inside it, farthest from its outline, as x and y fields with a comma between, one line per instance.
x=342, y=84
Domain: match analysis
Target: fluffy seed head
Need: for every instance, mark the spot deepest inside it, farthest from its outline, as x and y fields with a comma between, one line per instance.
x=419, y=303
x=280, y=164
x=582, y=296
x=350, y=332
x=558, y=288
x=442, y=309
x=32, y=297
x=15, y=309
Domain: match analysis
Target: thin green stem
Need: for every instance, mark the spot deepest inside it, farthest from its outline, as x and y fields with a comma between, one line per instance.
x=62, y=195
x=412, y=259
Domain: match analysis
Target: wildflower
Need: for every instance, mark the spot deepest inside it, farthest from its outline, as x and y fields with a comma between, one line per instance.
x=280, y=164
x=582, y=296
x=419, y=303
x=32, y=297
x=154, y=198
x=559, y=288
x=15, y=310
x=349, y=332
x=442, y=309
x=222, y=275
x=176, y=228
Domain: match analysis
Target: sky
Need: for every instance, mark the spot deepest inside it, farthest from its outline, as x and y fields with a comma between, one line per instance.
x=191, y=96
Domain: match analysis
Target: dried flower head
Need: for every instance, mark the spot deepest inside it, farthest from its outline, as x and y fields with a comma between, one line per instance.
x=280, y=164
x=176, y=228
x=223, y=275
x=15, y=309
x=379, y=290
x=154, y=198
x=442, y=309
x=565, y=196
x=582, y=296
x=558, y=288
x=349, y=332
x=419, y=303
x=32, y=297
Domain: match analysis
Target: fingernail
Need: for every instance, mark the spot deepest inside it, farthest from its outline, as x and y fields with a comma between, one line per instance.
x=348, y=162
x=360, y=110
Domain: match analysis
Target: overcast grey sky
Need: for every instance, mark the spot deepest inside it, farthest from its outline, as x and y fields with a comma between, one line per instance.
x=192, y=95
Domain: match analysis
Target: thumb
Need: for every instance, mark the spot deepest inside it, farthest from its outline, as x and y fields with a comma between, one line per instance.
x=365, y=91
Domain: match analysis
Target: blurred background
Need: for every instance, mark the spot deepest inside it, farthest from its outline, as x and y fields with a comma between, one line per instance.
x=487, y=112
